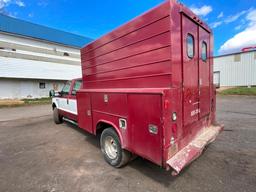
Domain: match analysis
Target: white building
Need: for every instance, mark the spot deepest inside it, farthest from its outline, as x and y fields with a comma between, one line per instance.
x=35, y=59
x=237, y=69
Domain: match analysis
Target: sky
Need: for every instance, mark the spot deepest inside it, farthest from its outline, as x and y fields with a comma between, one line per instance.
x=233, y=21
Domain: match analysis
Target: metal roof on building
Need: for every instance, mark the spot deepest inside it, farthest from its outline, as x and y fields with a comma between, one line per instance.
x=31, y=30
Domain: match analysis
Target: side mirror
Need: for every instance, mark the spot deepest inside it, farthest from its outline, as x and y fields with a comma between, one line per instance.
x=52, y=93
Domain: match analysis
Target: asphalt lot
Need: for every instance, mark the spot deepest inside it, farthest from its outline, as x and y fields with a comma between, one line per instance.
x=38, y=156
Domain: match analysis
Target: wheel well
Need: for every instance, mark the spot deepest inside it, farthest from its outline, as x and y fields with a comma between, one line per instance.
x=53, y=106
x=101, y=126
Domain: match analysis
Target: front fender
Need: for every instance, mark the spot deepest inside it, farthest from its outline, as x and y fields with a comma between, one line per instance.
x=55, y=102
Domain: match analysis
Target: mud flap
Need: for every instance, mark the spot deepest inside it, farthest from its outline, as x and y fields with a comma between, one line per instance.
x=194, y=149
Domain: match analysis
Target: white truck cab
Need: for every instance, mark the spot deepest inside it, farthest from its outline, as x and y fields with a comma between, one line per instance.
x=64, y=103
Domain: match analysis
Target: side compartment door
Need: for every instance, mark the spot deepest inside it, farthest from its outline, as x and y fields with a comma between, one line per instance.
x=145, y=127
x=190, y=71
x=84, y=111
x=204, y=71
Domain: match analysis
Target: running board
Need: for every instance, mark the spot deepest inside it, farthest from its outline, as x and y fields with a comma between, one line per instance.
x=70, y=121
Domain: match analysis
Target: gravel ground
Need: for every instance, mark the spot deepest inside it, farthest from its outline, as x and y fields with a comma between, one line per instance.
x=25, y=112
x=38, y=156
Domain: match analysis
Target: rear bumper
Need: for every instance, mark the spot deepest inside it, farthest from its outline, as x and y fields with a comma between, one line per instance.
x=194, y=149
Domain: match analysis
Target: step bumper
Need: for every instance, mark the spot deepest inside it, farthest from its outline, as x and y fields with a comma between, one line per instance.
x=194, y=149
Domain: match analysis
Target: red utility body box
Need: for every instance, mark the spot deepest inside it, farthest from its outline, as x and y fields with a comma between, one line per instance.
x=154, y=74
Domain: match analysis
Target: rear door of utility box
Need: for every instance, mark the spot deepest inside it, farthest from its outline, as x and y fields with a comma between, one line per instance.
x=145, y=126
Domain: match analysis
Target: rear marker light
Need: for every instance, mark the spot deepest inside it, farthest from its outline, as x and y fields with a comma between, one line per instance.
x=106, y=98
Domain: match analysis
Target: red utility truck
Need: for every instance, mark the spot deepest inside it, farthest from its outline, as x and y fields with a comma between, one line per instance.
x=147, y=89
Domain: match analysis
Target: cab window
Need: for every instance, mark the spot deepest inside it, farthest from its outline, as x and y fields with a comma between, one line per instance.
x=66, y=88
x=76, y=87
x=190, y=46
x=204, y=51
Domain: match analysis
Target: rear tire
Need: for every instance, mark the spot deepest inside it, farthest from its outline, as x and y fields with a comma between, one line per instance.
x=56, y=116
x=112, y=149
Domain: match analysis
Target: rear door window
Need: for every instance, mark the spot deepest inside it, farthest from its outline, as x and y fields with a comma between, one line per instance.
x=204, y=51
x=190, y=46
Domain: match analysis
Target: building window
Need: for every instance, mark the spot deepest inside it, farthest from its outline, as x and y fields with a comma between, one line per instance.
x=204, y=51
x=237, y=58
x=7, y=49
x=190, y=46
x=66, y=54
x=41, y=85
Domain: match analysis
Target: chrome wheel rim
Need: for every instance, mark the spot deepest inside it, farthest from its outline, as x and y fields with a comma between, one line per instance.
x=110, y=146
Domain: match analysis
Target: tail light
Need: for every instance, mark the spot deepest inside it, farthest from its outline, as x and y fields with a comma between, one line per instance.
x=166, y=104
x=174, y=130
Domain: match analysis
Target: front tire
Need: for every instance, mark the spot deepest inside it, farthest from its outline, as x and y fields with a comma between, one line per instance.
x=56, y=116
x=112, y=149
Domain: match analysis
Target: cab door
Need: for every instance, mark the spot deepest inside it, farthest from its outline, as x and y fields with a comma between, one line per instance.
x=72, y=100
x=190, y=71
x=204, y=72
x=63, y=99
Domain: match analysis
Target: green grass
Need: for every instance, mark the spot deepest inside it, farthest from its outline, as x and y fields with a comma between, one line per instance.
x=46, y=100
x=239, y=91
x=24, y=102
